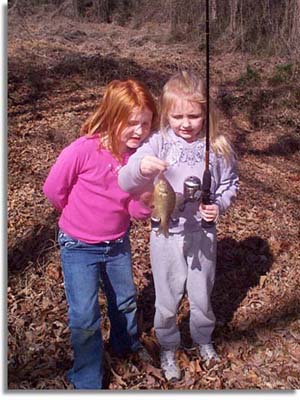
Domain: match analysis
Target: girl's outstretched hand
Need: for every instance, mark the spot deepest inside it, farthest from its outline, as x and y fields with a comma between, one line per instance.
x=151, y=166
x=147, y=199
x=209, y=212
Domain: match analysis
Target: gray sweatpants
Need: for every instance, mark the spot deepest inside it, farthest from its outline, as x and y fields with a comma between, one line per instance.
x=182, y=262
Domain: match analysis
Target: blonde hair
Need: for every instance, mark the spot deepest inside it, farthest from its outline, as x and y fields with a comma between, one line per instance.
x=187, y=85
x=114, y=110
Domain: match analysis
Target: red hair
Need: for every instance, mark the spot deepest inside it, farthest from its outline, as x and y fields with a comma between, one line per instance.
x=111, y=117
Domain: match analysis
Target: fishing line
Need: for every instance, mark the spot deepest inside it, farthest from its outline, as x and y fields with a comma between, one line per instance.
x=207, y=87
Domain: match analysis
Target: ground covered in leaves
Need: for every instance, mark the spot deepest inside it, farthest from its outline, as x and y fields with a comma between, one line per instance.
x=57, y=71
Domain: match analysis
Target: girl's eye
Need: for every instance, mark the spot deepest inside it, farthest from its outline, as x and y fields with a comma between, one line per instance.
x=135, y=123
x=176, y=116
x=195, y=116
x=191, y=116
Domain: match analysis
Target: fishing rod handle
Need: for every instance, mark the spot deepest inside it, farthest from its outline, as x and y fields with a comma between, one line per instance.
x=206, y=199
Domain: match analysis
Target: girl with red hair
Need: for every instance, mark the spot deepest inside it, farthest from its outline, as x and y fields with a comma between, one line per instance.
x=94, y=223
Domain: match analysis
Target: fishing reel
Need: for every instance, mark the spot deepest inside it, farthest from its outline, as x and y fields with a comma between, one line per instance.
x=191, y=191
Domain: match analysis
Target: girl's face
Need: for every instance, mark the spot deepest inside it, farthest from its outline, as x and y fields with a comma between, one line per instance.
x=186, y=118
x=137, y=129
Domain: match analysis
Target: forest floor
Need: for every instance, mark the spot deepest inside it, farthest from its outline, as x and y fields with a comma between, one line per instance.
x=58, y=69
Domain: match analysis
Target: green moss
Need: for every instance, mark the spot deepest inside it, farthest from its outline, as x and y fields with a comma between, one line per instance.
x=251, y=76
x=283, y=73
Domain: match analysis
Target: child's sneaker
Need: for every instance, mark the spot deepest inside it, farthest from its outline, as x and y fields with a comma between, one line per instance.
x=169, y=365
x=144, y=355
x=208, y=352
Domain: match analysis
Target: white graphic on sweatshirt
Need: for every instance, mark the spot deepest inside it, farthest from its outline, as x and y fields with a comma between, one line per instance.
x=175, y=152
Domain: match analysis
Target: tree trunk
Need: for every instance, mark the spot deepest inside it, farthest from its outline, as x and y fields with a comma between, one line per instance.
x=214, y=10
x=101, y=8
x=78, y=8
x=295, y=29
x=174, y=17
x=233, y=13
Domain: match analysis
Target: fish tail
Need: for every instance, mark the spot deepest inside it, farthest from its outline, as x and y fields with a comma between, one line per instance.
x=164, y=228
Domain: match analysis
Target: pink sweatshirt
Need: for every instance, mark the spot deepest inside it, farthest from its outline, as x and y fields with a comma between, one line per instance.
x=83, y=185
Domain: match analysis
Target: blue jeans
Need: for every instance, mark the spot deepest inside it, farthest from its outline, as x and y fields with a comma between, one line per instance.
x=86, y=267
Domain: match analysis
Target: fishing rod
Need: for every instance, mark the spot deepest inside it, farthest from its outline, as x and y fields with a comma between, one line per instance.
x=206, y=180
x=193, y=191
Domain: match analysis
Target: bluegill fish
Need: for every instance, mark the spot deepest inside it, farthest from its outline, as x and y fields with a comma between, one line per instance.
x=164, y=201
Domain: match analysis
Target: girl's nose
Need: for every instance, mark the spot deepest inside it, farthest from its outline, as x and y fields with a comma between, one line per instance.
x=138, y=130
x=185, y=122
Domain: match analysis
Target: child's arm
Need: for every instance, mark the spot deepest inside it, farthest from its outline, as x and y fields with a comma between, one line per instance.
x=227, y=190
x=61, y=178
x=138, y=174
x=139, y=209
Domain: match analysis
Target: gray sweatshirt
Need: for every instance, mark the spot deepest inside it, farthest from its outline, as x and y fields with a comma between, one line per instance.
x=185, y=159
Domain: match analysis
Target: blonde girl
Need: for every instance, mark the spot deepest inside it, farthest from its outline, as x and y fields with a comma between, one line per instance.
x=186, y=259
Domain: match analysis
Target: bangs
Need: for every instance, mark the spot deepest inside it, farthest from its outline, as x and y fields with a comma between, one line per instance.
x=169, y=98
